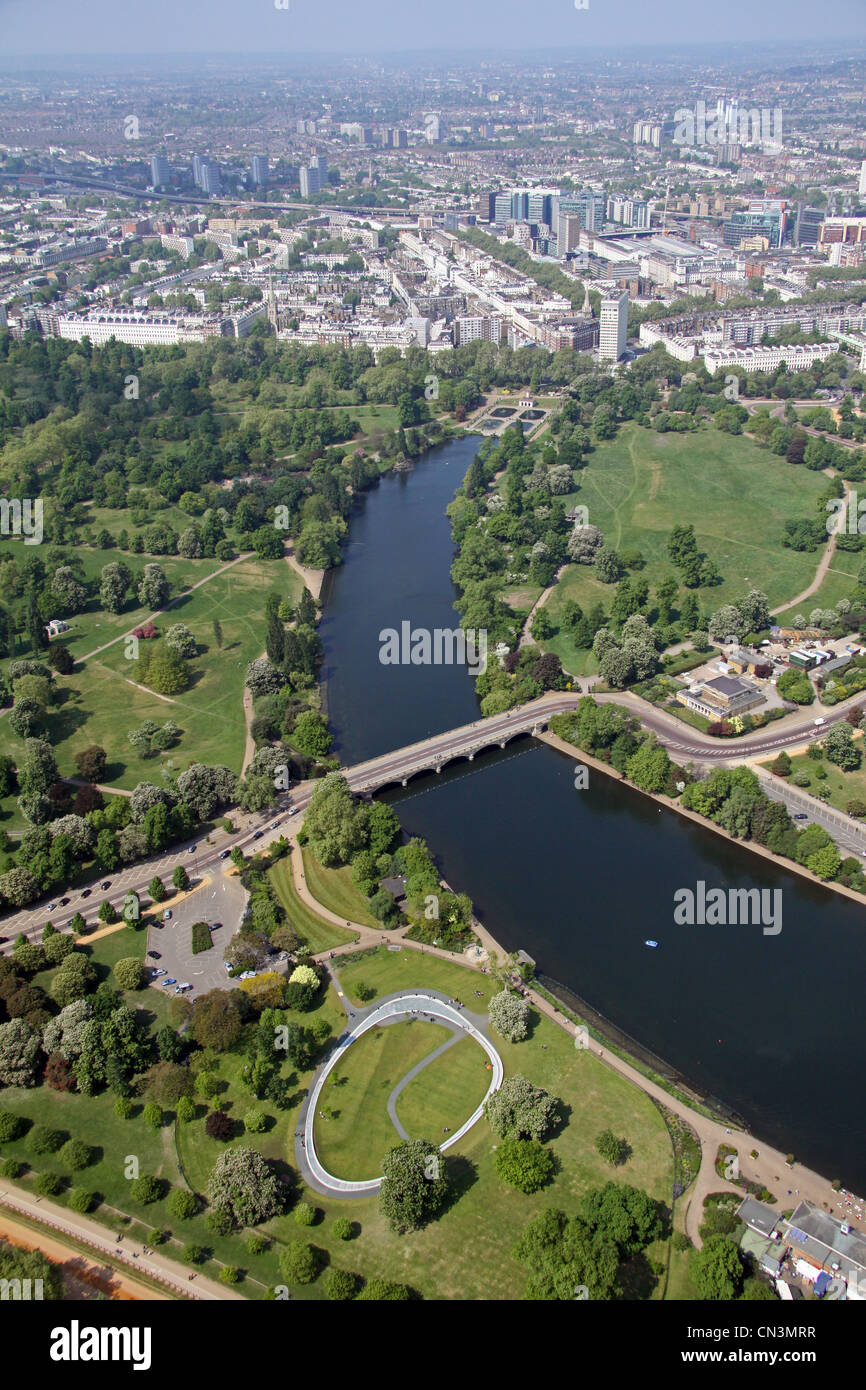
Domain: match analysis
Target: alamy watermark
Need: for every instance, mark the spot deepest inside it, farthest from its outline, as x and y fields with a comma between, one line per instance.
x=846, y=515
x=21, y=517
x=441, y=646
x=730, y=126
x=719, y=907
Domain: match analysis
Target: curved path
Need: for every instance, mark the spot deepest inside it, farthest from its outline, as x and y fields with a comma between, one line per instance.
x=407, y=1002
x=410, y=1076
x=824, y=565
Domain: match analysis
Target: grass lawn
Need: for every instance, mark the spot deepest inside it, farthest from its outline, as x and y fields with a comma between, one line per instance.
x=838, y=583
x=736, y=495
x=388, y=971
x=335, y=890
x=463, y=1255
x=354, y=1142
x=319, y=934
x=103, y=704
x=446, y=1092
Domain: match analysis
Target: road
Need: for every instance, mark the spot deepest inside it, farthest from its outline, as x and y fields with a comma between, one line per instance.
x=431, y=754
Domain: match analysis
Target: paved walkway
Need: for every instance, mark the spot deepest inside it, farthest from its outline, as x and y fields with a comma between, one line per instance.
x=407, y=1002
x=410, y=1076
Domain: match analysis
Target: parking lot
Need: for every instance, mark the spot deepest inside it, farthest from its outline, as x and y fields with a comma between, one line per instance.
x=221, y=900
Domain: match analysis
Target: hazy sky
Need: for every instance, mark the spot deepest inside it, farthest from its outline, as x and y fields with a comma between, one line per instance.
x=257, y=26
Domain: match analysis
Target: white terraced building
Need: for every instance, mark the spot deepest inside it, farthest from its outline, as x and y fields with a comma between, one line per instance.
x=767, y=359
x=138, y=329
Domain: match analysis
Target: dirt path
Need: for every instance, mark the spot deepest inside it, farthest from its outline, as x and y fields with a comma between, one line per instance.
x=821, y=572
x=108, y=1280
x=249, y=741
x=314, y=579
x=526, y=637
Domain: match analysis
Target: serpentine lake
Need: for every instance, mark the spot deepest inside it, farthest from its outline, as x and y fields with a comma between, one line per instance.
x=768, y=1026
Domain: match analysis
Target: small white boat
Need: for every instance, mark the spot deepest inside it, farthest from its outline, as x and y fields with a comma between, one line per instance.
x=650, y=942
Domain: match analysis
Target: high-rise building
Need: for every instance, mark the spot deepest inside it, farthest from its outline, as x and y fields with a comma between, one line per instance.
x=613, y=327
x=539, y=208
x=487, y=207
x=502, y=209
x=861, y=187
x=211, y=181
x=259, y=169
x=432, y=129
x=808, y=226
x=310, y=181
x=160, y=171
x=197, y=163
x=519, y=206
x=567, y=232
x=589, y=207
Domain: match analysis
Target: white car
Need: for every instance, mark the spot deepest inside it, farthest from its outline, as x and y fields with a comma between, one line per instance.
x=247, y=975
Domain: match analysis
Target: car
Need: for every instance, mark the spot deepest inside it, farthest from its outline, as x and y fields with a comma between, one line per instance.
x=106, y=884
x=160, y=970
x=225, y=854
x=85, y=892
x=191, y=849
x=62, y=902
x=293, y=810
x=169, y=980
x=247, y=975
x=3, y=939
x=181, y=989
x=154, y=955
x=818, y=722
x=71, y=920
x=274, y=824
x=166, y=916
x=51, y=907
x=258, y=834
x=800, y=815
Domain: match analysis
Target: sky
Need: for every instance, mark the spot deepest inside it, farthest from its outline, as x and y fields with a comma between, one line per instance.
x=364, y=26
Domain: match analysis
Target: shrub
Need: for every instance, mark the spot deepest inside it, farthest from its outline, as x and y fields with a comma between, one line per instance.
x=80, y=1200
x=11, y=1168
x=123, y=1107
x=219, y=1223
x=76, y=1155
x=193, y=1254
x=343, y=1228
x=524, y=1164
x=48, y=1184
x=152, y=1115
x=611, y=1149
x=305, y=1215
x=201, y=938
x=10, y=1126
x=185, y=1110
x=257, y=1245
x=182, y=1204
x=146, y=1189
x=255, y=1121
x=44, y=1140
x=229, y=1274
x=219, y=1125
x=340, y=1285
x=129, y=973
x=298, y=1262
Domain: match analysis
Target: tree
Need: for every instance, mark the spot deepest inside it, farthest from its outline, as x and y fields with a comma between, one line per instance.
x=717, y=1269
x=215, y=1021
x=182, y=1205
x=607, y=566
x=521, y=1110
x=383, y=1290
x=335, y=824
x=153, y=588
x=509, y=1015
x=611, y=1149
x=146, y=1189
x=185, y=1110
x=840, y=748
x=205, y=789
x=413, y=1189
x=19, y=1053
x=310, y=734
x=180, y=879
x=583, y=544
x=69, y=592
x=179, y=639
x=243, y=1185
x=340, y=1285
x=298, y=1262
x=91, y=763
x=115, y=580
x=219, y=1125
x=17, y=1263
x=75, y=978
x=129, y=973
x=524, y=1164
x=75, y=1155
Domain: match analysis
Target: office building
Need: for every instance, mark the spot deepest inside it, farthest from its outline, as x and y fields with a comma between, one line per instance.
x=743, y=225
x=613, y=327
x=567, y=232
x=589, y=207
x=160, y=171
x=808, y=226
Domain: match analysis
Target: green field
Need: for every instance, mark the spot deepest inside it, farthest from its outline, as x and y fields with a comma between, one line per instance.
x=318, y=932
x=354, y=1141
x=102, y=702
x=335, y=890
x=446, y=1092
x=737, y=495
x=463, y=1255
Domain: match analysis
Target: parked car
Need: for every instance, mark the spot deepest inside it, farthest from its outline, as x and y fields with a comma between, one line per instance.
x=274, y=824
x=85, y=892
x=51, y=907
x=106, y=884
x=800, y=815
x=225, y=854
x=247, y=975
x=160, y=970
x=169, y=980
x=62, y=902
x=191, y=849
x=258, y=834
x=3, y=939
x=228, y=966
x=155, y=955
x=166, y=916
x=293, y=810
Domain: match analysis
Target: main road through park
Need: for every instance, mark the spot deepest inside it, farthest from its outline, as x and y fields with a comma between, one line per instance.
x=417, y=1005
x=435, y=752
